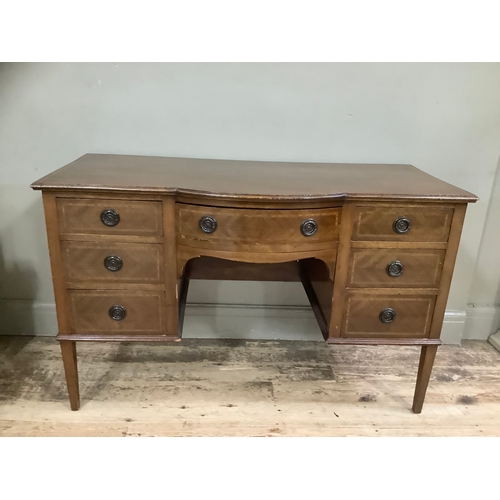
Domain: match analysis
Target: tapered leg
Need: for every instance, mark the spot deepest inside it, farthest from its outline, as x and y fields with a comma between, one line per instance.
x=182, y=302
x=424, y=373
x=68, y=349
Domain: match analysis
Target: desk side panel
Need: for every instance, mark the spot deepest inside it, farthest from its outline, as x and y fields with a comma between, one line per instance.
x=170, y=261
x=448, y=268
x=56, y=261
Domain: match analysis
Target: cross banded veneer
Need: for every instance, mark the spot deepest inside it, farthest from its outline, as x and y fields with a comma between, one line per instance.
x=373, y=245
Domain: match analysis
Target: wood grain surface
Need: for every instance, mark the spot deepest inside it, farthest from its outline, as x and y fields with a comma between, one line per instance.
x=247, y=388
x=361, y=315
x=421, y=268
x=145, y=311
x=141, y=263
x=137, y=218
x=428, y=223
x=259, y=209
x=262, y=230
x=258, y=180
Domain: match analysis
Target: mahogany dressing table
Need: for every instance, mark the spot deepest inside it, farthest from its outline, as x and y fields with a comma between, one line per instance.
x=373, y=245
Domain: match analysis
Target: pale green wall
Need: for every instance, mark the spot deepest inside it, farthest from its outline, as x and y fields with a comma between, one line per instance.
x=442, y=118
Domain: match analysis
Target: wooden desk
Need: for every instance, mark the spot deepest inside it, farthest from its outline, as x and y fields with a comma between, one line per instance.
x=374, y=246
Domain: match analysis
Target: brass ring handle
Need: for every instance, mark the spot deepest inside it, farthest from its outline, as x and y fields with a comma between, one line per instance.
x=110, y=217
x=208, y=224
x=309, y=227
x=387, y=315
x=113, y=263
x=401, y=225
x=117, y=313
x=394, y=269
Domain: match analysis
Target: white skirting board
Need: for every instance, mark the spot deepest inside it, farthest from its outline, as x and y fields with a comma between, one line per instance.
x=25, y=317
x=495, y=340
x=481, y=321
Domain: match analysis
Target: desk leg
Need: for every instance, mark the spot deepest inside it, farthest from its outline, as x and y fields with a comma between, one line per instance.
x=424, y=373
x=68, y=349
x=182, y=300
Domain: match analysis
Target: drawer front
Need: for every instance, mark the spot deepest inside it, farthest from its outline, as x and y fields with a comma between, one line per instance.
x=109, y=217
x=386, y=316
x=262, y=230
x=133, y=311
x=113, y=262
x=426, y=224
x=392, y=267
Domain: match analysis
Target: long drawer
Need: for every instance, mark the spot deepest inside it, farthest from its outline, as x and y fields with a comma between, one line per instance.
x=257, y=230
x=110, y=262
x=116, y=312
x=387, y=316
x=393, y=267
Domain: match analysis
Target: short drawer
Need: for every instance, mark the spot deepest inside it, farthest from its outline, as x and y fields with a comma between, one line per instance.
x=112, y=262
x=109, y=217
x=113, y=312
x=426, y=224
x=257, y=230
x=387, y=316
x=392, y=267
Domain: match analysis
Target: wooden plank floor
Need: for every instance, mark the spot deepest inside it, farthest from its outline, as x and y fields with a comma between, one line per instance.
x=246, y=388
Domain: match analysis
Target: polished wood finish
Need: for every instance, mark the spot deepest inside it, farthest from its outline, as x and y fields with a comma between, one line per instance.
x=361, y=316
x=145, y=311
x=318, y=285
x=257, y=230
x=184, y=254
x=428, y=223
x=447, y=272
x=171, y=283
x=68, y=351
x=384, y=341
x=421, y=268
x=85, y=261
x=210, y=268
x=259, y=209
x=125, y=337
x=341, y=269
x=399, y=244
x=183, y=291
x=137, y=218
x=427, y=357
x=55, y=253
x=258, y=181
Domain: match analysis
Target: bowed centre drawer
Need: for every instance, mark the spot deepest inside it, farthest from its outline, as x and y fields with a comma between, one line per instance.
x=255, y=229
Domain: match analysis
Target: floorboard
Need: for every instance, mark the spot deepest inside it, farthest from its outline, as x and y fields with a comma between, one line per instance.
x=246, y=388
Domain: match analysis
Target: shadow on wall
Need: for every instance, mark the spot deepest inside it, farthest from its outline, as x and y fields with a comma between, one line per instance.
x=483, y=313
x=486, y=286
x=18, y=276
x=494, y=215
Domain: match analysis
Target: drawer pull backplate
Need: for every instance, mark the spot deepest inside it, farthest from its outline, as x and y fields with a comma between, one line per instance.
x=110, y=217
x=113, y=263
x=208, y=224
x=309, y=227
x=387, y=315
x=117, y=313
x=401, y=225
x=395, y=268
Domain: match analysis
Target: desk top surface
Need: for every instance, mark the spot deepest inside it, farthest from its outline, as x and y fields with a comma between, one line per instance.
x=250, y=180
